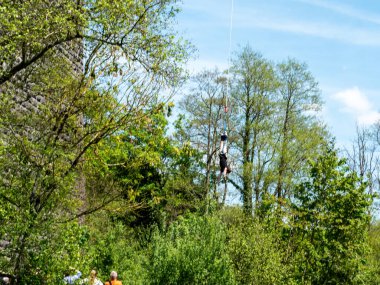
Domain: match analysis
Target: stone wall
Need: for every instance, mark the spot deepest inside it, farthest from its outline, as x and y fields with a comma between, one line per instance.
x=26, y=101
x=19, y=86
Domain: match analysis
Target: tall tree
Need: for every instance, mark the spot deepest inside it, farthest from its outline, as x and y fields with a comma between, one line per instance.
x=299, y=130
x=130, y=54
x=156, y=175
x=140, y=29
x=330, y=222
x=253, y=92
x=363, y=157
x=204, y=106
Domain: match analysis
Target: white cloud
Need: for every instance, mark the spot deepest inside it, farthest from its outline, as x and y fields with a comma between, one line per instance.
x=369, y=119
x=353, y=100
x=348, y=34
x=347, y=31
x=356, y=103
x=344, y=10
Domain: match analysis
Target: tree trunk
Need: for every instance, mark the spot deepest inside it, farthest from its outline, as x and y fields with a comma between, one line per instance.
x=247, y=169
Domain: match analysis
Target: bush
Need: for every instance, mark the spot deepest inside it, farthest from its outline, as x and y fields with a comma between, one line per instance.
x=192, y=251
x=255, y=250
x=115, y=247
x=371, y=274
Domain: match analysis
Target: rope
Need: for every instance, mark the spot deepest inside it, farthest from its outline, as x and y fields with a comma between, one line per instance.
x=228, y=67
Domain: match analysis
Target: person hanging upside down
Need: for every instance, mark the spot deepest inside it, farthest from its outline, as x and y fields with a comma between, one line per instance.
x=224, y=168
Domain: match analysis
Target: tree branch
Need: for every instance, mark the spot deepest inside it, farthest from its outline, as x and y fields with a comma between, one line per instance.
x=25, y=63
x=235, y=184
x=92, y=210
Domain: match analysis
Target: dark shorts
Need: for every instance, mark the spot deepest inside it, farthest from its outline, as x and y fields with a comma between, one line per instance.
x=222, y=162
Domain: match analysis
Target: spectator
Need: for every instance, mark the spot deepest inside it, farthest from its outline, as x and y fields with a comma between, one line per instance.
x=70, y=277
x=92, y=280
x=113, y=279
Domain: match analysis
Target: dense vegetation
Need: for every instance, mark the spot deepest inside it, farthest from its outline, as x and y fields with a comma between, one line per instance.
x=107, y=174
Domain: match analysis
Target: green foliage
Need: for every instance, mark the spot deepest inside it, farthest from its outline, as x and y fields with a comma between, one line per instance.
x=65, y=247
x=330, y=222
x=253, y=92
x=371, y=275
x=156, y=176
x=49, y=151
x=139, y=30
x=274, y=117
x=255, y=249
x=98, y=140
x=203, y=107
x=192, y=251
x=300, y=133
x=113, y=246
x=49, y=255
x=184, y=189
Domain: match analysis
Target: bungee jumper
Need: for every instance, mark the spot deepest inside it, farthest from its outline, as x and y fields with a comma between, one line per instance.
x=224, y=167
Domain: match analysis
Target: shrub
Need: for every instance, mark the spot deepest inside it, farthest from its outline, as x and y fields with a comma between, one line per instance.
x=192, y=251
x=255, y=250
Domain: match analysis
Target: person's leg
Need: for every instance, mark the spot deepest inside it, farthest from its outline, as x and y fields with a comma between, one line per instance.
x=225, y=173
x=223, y=143
x=223, y=165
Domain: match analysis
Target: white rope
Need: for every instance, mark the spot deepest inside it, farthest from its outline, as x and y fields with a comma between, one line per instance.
x=229, y=55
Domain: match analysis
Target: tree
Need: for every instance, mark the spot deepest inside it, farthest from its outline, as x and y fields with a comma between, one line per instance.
x=139, y=29
x=254, y=86
x=363, y=158
x=130, y=54
x=184, y=186
x=158, y=174
x=330, y=221
x=299, y=131
x=204, y=106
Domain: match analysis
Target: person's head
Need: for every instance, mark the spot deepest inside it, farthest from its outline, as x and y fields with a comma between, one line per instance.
x=93, y=273
x=113, y=275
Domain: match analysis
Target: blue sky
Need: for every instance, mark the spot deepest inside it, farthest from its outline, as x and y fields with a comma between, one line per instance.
x=339, y=41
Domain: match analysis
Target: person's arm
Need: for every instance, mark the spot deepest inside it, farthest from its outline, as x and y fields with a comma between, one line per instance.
x=73, y=278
